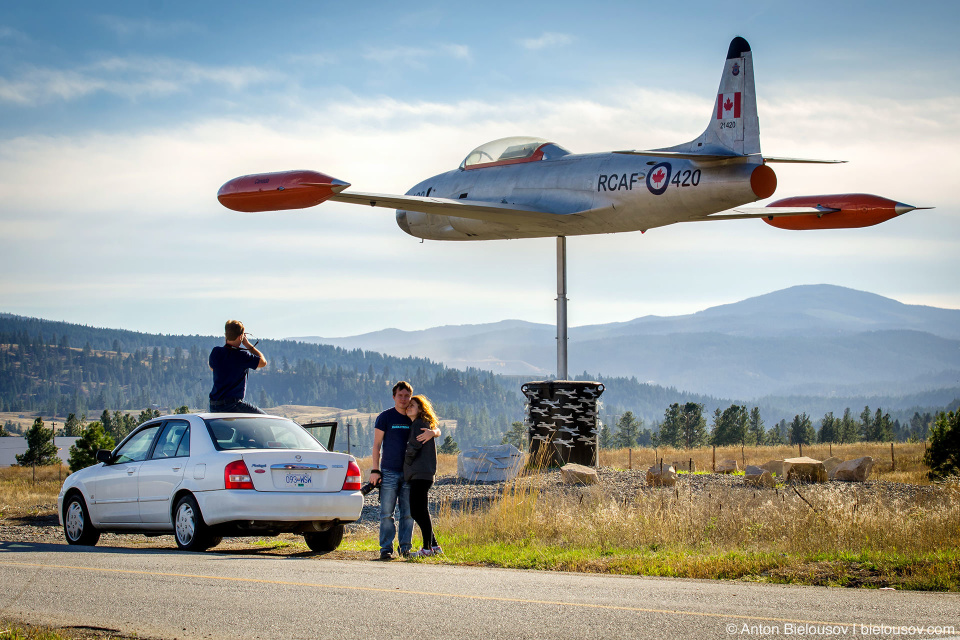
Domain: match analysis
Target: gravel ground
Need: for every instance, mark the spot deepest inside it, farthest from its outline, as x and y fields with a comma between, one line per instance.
x=462, y=495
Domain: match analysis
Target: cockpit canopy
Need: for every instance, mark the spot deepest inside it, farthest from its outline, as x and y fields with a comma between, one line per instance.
x=512, y=150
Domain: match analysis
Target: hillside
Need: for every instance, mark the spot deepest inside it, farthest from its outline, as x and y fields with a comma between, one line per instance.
x=56, y=368
x=811, y=340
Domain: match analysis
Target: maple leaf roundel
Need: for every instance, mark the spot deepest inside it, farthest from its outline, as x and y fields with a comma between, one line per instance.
x=658, y=178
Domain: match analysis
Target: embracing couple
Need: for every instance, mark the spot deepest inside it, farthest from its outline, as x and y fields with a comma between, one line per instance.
x=404, y=464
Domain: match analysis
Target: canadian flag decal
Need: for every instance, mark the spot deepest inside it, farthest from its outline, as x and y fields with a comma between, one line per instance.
x=728, y=105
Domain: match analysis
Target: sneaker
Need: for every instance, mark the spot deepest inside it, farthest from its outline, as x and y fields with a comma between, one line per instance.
x=436, y=550
x=423, y=553
x=386, y=555
x=404, y=553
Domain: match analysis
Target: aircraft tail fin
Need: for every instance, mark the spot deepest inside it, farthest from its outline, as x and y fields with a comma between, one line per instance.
x=734, y=128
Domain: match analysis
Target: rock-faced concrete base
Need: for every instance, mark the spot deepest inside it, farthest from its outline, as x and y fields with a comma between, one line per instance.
x=727, y=466
x=578, y=474
x=758, y=477
x=774, y=466
x=661, y=475
x=857, y=470
x=804, y=470
x=830, y=464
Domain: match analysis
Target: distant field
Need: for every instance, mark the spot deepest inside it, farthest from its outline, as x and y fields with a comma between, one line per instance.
x=908, y=457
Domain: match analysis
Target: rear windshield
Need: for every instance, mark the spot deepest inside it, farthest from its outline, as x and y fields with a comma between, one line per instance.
x=256, y=432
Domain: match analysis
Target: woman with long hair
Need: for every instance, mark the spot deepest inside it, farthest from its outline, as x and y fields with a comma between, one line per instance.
x=419, y=469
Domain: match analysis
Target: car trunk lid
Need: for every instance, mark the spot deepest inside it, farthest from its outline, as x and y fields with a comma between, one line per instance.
x=299, y=471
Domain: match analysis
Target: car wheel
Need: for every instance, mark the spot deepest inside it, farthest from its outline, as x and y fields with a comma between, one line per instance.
x=77, y=527
x=325, y=541
x=189, y=529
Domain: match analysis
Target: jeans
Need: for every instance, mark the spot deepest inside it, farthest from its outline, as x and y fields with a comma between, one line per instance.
x=394, y=490
x=233, y=406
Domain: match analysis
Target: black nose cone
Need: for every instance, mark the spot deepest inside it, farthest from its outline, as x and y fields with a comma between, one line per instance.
x=738, y=47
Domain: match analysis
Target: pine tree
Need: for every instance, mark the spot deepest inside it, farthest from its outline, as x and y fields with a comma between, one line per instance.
x=84, y=451
x=72, y=426
x=730, y=427
x=829, y=428
x=449, y=446
x=628, y=428
x=775, y=435
x=866, y=424
x=694, y=426
x=755, y=432
x=40, y=447
x=671, y=428
x=880, y=428
x=943, y=455
x=606, y=438
x=849, y=431
x=516, y=435
x=801, y=430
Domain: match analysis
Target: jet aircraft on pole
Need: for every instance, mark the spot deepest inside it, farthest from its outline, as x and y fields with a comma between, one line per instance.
x=525, y=187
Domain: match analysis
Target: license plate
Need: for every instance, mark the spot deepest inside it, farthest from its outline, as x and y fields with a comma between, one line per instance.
x=299, y=479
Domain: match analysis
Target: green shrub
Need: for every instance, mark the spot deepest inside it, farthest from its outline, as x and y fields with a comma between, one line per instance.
x=943, y=456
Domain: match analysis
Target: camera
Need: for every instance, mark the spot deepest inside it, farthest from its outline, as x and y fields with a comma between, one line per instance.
x=367, y=488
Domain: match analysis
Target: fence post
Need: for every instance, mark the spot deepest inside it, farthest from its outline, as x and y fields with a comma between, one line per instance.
x=893, y=461
x=690, y=465
x=630, y=459
x=801, y=449
x=831, y=449
x=714, y=469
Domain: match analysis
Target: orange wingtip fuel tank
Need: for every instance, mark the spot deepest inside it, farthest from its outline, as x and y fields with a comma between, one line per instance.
x=279, y=190
x=855, y=210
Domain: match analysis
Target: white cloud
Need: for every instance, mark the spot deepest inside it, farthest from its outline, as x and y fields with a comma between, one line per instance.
x=313, y=59
x=8, y=33
x=416, y=56
x=548, y=39
x=145, y=27
x=131, y=78
x=129, y=207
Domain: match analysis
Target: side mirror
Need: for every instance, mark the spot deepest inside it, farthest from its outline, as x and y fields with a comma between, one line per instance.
x=104, y=455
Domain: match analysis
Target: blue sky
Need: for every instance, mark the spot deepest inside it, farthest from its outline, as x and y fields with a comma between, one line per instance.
x=119, y=121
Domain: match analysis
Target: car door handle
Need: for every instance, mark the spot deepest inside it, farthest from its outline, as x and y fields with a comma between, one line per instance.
x=130, y=472
x=176, y=468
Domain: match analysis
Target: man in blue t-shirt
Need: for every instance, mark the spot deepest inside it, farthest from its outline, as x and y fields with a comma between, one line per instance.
x=392, y=430
x=230, y=364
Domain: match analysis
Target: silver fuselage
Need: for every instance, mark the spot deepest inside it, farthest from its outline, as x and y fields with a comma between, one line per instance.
x=591, y=193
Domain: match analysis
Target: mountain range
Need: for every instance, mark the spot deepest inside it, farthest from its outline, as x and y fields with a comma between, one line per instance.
x=810, y=340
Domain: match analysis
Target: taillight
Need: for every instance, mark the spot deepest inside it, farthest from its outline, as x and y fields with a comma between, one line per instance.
x=236, y=476
x=354, y=480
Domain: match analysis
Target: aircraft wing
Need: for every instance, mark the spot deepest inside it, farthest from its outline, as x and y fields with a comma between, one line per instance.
x=747, y=213
x=473, y=209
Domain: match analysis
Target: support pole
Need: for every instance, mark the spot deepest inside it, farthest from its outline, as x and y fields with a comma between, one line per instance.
x=561, y=308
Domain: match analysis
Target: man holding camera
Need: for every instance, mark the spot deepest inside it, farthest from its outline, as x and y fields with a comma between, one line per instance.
x=392, y=430
x=230, y=364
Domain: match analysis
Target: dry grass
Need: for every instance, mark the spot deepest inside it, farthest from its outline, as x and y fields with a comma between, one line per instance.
x=723, y=520
x=908, y=457
x=24, y=493
x=17, y=630
x=846, y=535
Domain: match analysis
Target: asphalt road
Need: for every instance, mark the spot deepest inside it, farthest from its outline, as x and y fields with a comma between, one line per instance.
x=167, y=594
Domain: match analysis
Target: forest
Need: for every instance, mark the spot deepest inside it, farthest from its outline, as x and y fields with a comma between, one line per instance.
x=57, y=369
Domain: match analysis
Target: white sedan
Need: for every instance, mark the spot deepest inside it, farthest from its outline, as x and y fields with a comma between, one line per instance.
x=205, y=476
